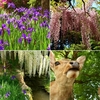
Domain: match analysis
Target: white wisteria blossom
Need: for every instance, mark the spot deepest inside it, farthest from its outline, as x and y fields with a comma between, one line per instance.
x=32, y=62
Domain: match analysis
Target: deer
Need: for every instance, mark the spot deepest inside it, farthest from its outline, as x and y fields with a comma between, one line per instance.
x=66, y=71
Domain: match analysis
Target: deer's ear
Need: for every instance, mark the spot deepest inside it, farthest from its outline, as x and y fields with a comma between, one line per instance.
x=81, y=60
x=52, y=59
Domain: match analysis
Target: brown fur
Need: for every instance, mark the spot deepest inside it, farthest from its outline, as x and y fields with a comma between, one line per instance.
x=61, y=88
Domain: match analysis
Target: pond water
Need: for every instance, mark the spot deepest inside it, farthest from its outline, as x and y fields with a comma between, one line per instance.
x=40, y=95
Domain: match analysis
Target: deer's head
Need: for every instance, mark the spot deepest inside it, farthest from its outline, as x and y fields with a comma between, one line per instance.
x=66, y=70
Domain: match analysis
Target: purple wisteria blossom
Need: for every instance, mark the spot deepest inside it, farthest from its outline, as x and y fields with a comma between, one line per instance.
x=11, y=5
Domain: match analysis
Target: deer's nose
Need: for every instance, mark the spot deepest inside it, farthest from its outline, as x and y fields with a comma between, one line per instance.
x=75, y=64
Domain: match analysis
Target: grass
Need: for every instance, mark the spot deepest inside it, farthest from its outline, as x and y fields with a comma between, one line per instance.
x=10, y=89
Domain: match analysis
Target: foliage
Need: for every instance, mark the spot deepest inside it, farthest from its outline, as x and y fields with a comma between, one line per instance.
x=17, y=3
x=79, y=3
x=10, y=89
x=86, y=85
x=24, y=28
x=76, y=47
x=95, y=45
x=89, y=77
x=32, y=2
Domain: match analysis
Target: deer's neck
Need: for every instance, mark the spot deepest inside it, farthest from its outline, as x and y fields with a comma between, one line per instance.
x=62, y=92
x=65, y=90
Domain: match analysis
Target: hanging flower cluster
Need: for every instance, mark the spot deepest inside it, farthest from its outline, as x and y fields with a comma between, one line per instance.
x=36, y=61
x=67, y=20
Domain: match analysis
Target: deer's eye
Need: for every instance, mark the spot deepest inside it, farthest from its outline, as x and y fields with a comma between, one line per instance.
x=57, y=63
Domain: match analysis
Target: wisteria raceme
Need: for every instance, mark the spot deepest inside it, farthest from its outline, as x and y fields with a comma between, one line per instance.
x=55, y=26
x=36, y=61
x=21, y=60
x=93, y=25
x=85, y=36
x=89, y=4
x=79, y=21
x=70, y=22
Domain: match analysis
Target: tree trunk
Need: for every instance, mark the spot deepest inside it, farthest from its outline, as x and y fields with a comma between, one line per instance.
x=45, y=4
